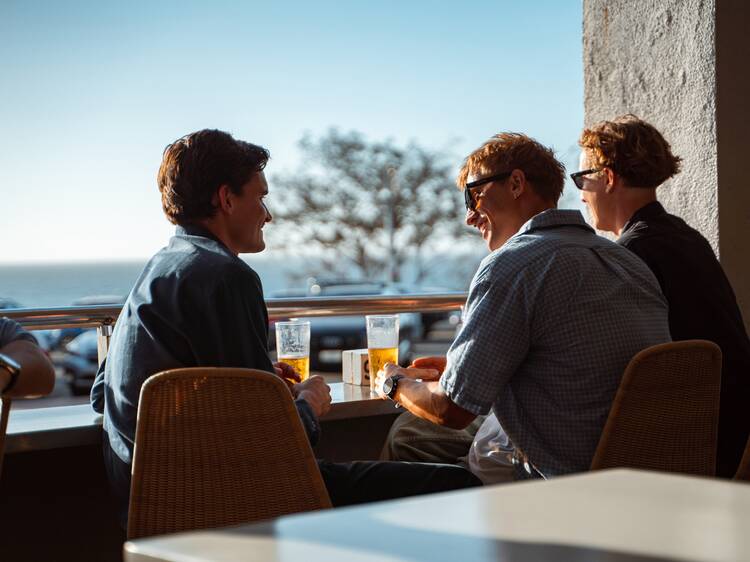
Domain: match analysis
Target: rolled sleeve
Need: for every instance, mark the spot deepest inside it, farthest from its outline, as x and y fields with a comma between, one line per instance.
x=492, y=343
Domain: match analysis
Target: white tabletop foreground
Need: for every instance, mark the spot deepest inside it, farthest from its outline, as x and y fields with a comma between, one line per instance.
x=614, y=516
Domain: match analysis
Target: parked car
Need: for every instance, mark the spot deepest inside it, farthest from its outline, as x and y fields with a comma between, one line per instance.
x=330, y=335
x=79, y=362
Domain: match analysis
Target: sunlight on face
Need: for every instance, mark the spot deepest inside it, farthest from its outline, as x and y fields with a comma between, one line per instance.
x=594, y=195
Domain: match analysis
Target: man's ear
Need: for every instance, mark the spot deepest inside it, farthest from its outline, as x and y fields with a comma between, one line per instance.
x=517, y=183
x=223, y=199
x=610, y=178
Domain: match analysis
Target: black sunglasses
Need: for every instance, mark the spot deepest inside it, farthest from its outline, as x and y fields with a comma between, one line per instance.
x=471, y=203
x=577, y=177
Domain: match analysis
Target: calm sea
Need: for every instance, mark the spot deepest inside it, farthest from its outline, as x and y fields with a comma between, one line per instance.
x=51, y=285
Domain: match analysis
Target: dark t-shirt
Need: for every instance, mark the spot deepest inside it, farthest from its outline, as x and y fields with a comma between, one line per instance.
x=195, y=304
x=702, y=305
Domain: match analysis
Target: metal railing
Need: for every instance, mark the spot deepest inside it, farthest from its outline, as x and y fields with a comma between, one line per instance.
x=103, y=317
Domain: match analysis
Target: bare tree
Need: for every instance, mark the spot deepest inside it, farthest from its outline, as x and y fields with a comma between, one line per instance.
x=367, y=207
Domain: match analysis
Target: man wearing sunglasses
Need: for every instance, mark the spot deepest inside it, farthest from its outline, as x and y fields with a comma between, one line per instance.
x=554, y=315
x=623, y=162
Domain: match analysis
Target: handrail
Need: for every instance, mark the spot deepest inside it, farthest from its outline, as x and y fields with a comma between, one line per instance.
x=95, y=316
x=103, y=317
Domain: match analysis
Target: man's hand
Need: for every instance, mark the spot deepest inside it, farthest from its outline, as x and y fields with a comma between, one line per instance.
x=434, y=363
x=286, y=373
x=315, y=392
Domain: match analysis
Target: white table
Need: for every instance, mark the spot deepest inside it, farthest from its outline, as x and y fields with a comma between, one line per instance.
x=614, y=515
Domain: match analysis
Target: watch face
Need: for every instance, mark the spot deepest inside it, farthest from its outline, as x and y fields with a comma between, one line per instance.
x=387, y=386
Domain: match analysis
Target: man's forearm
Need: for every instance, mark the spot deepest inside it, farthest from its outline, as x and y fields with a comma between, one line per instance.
x=428, y=400
x=37, y=373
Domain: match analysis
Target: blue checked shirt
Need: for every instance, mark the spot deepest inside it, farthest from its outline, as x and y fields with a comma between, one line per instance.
x=552, y=319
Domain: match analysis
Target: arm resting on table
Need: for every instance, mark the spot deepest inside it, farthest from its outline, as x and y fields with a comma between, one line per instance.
x=429, y=401
x=37, y=376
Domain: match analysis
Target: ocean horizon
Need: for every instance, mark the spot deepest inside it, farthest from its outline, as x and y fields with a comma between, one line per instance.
x=58, y=284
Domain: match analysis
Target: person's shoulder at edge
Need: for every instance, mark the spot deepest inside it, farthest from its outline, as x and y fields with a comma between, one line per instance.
x=11, y=331
x=662, y=234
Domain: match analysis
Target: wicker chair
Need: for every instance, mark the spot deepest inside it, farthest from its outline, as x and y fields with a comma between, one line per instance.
x=743, y=471
x=665, y=415
x=218, y=447
x=5, y=404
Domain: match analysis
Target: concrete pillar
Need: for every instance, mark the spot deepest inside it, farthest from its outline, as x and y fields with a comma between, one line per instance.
x=683, y=65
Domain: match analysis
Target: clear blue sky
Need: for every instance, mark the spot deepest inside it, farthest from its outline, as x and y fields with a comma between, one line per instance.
x=93, y=91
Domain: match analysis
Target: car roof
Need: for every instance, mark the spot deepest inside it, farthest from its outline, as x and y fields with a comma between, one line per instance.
x=9, y=303
x=99, y=299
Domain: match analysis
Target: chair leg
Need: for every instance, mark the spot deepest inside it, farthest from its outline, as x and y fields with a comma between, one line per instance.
x=4, y=414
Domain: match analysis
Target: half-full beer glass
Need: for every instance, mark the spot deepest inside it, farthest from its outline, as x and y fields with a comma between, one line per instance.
x=293, y=346
x=382, y=342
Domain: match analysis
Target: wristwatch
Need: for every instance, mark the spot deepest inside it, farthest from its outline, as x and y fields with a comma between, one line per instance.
x=390, y=384
x=13, y=368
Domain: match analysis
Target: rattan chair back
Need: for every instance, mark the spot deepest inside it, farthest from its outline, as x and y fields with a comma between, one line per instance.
x=217, y=447
x=665, y=415
x=743, y=471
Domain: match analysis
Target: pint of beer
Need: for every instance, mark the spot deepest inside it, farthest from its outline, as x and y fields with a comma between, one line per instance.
x=293, y=346
x=382, y=343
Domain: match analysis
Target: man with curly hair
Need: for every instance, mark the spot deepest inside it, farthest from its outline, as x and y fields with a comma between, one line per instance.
x=623, y=162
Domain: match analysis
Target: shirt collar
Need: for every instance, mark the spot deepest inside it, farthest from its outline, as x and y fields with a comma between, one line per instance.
x=552, y=218
x=649, y=211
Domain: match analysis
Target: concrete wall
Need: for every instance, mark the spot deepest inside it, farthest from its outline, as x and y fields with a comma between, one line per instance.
x=683, y=66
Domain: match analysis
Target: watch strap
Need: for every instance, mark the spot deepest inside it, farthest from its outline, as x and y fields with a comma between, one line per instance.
x=13, y=369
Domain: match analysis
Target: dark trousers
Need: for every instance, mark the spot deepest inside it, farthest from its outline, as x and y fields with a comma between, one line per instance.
x=368, y=481
x=347, y=483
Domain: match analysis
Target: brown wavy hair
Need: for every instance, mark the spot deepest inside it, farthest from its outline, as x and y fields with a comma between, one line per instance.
x=196, y=165
x=506, y=152
x=632, y=148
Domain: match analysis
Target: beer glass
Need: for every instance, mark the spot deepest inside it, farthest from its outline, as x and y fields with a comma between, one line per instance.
x=382, y=342
x=293, y=346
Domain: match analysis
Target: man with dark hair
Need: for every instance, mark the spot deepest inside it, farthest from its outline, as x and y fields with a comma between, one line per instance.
x=554, y=315
x=623, y=162
x=197, y=303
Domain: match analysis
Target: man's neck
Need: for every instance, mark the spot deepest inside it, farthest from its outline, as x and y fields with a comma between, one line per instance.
x=534, y=209
x=526, y=214
x=219, y=231
x=632, y=200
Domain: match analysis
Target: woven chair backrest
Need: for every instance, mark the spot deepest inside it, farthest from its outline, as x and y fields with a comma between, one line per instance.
x=217, y=447
x=665, y=415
